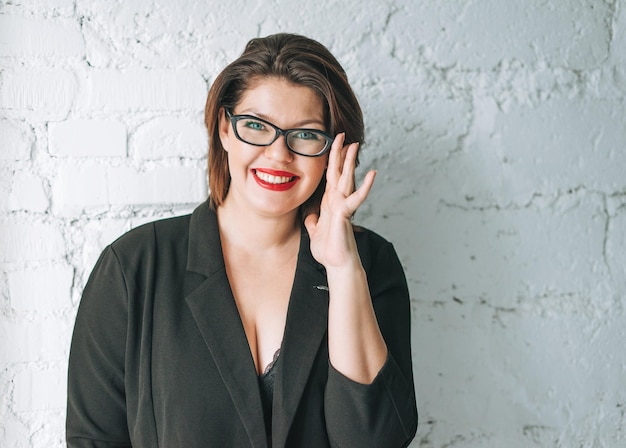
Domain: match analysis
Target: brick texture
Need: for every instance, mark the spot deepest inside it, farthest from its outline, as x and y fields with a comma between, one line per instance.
x=15, y=141
x=88, y=138
x=37, y=94
x=140, y=90
x=23, y=37
x=42, y=288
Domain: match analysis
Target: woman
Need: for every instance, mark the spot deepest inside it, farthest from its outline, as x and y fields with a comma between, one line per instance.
x=264, y=318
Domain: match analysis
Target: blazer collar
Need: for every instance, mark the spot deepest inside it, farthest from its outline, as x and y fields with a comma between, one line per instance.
x=204, y=254
x=215, y=312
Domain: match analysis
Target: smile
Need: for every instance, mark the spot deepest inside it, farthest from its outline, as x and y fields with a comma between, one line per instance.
x=274, y=180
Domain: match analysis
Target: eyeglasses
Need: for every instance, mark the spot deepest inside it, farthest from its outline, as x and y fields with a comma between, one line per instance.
x=258, y=132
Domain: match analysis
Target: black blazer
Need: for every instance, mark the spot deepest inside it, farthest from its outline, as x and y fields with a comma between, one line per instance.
x=159, y=357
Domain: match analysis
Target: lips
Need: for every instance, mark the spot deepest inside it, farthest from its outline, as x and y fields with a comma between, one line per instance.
x=274, y=180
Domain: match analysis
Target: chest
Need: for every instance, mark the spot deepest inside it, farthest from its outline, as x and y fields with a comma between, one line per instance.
x=261, y=290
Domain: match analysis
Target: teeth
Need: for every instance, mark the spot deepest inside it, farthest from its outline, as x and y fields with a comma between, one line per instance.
x=273, y=179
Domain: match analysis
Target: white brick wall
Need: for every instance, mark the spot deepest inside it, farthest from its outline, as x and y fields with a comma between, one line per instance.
x=142, y=89
x=170, y=137
x=87, y=138
x=15, y=141
x=27, y=193
x=24, y=241
x=160, y=185
x=44, y=288
x=499, y=135
x=30, y=342
x=23, y=37
x=78, y=187
x=37, y=94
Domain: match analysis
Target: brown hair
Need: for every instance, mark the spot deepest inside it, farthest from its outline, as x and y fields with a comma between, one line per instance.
x=296, y=59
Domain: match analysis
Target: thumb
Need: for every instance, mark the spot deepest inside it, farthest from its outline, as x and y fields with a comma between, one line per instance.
x=310, y=222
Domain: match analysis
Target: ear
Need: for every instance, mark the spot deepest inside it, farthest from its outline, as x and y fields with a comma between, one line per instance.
x=224, y=128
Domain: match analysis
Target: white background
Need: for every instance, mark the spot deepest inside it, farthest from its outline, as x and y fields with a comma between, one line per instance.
x=498, y=129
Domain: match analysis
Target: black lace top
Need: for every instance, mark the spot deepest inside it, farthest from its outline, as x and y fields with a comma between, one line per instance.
x=266, y=386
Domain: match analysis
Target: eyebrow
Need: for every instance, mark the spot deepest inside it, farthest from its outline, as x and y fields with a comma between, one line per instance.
x=266, y=118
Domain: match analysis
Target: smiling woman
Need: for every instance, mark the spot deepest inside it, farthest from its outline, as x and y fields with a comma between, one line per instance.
x=262, y=319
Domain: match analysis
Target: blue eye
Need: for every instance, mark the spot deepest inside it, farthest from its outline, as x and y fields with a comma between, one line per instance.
x=306, y=135
x=254, y=125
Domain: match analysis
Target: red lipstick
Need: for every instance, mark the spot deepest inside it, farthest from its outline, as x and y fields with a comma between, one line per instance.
x=265, y=172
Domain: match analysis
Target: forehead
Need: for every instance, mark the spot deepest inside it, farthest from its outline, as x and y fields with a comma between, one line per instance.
x=280, y=100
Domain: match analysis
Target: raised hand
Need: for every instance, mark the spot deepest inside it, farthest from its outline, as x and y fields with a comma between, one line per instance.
x=331, y=234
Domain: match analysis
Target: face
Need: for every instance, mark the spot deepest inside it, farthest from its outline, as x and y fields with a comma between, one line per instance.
x=272, y=180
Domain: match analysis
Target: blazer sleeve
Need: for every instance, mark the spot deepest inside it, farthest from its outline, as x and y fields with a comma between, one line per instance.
x=382, y=413
x=96, y=406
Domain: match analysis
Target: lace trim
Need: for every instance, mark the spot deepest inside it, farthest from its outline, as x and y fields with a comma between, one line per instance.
x=270, y=366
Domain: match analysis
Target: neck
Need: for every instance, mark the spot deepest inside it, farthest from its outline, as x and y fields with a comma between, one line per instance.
x=244, y=228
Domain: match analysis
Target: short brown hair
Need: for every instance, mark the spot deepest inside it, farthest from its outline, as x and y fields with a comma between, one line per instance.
x=296, y=59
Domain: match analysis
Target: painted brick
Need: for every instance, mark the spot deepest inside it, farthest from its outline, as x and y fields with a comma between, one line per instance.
x=40, y=389
x=160, y=185
x=88, y=138
x=618, y=29
x=486, y=254
x=77, y=188
x=590, y=146
x=612, y=82
x=41, y=289
x=38, y=95
x=26, y=341
x=170, y=137
x=41, y=8
x=615, y=244
x=552, y=355
x=25, y=241
x=432, y=126
x=27, y=193
x=563, y=33
x=139, y=90
x=508, y=157
x=6, y=182
x=15, y=141
x=28, y=37
x=14, y=431
x=126, y=36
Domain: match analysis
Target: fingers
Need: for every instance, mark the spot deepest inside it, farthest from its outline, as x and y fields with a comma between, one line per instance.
x=346, y=180
x=357, y=198
x=334, y=160
x=340, y=174
x=341, y=165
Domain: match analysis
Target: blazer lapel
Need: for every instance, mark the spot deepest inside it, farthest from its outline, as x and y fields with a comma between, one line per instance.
x=307, y=321
x=215, y=312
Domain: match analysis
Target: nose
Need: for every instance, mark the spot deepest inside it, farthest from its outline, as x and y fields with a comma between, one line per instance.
x=279, y=151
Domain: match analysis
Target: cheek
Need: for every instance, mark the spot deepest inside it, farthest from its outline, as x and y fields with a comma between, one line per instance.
x=323, y=163
x=319, y=170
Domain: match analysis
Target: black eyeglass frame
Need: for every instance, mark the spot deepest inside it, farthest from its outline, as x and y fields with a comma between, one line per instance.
x=284, y=132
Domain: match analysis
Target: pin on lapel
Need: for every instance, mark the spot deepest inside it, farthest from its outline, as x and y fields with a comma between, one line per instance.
x=321, y=287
